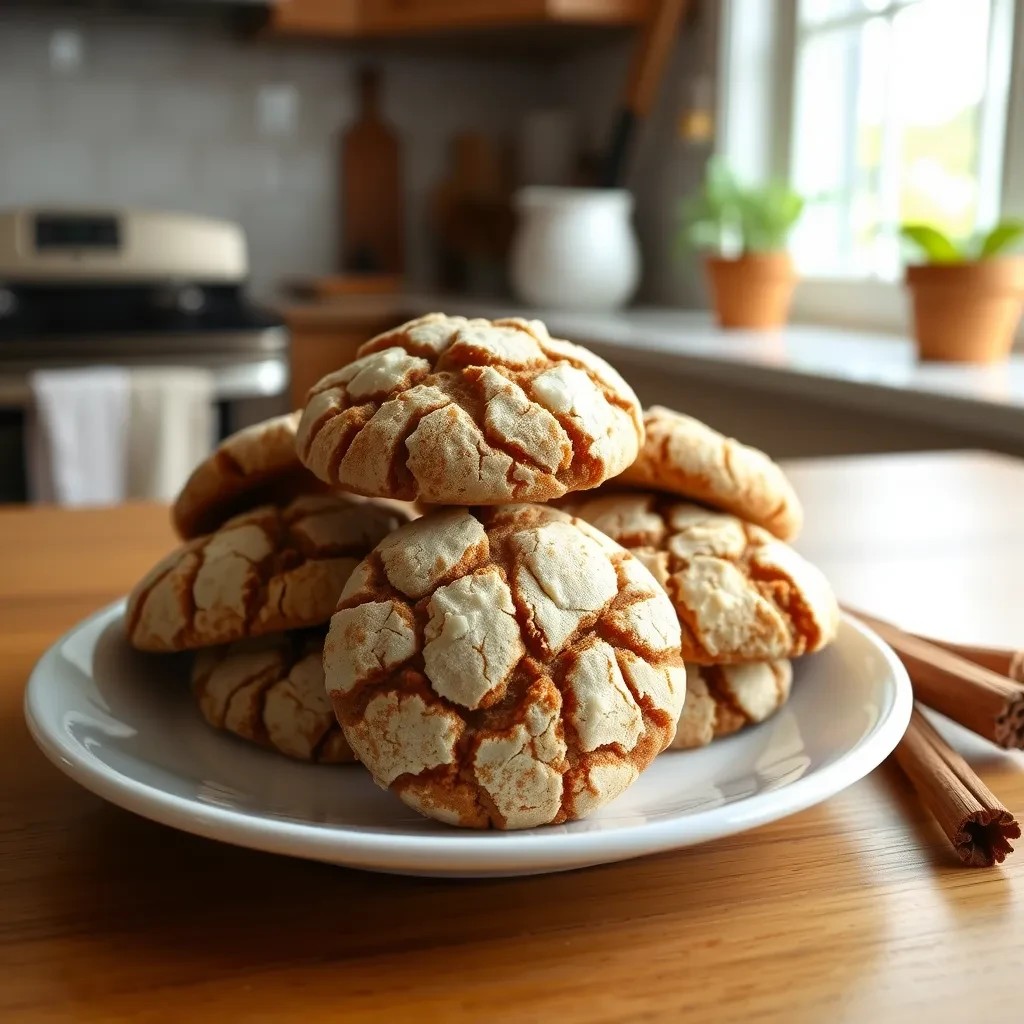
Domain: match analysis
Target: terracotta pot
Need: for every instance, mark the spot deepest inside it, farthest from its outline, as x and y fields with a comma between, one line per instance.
x=966, y=312
x=754, y=290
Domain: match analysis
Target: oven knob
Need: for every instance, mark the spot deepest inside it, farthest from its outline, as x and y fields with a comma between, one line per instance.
x=191, y=299
x=187, y=299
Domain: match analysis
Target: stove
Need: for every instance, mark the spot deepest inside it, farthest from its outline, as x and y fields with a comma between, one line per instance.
x=128, y=287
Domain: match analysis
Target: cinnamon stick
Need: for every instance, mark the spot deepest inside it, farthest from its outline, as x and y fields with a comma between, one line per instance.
x=975, y=822
x=984, y=701
x=996, y=659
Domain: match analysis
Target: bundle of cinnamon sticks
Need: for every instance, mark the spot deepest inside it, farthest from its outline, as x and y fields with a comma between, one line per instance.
x=982, y=689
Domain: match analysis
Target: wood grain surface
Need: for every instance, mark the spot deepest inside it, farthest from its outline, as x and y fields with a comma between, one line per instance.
x=852, y=911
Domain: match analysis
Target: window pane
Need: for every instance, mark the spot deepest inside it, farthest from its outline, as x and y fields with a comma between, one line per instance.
x=814, y=12
x=940, y=65
x=824, y=126
x=819, y=12
x=814, y=243
x=887, y=128
x=874, y=206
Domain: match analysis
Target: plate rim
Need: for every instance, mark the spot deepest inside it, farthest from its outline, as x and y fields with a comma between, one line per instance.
x=471, y=851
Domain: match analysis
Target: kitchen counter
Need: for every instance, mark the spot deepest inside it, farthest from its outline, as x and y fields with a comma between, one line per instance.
x=829, y=368
x=853, y=911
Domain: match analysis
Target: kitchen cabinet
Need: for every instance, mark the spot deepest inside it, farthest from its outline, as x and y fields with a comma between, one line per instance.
x=395, y=18
x=399, y=17
x=318, y=352
x=314, y=18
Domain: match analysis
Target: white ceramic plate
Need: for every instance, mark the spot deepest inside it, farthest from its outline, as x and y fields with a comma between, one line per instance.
x=124, y=726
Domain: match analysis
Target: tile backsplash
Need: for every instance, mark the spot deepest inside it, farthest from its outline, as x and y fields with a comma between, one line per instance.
x=182, y=115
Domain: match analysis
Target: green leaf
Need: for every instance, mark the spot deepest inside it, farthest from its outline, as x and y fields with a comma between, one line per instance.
x=720, y=186
x=704, y=235
x=1005, y=235
x=696, y=208
x=725, y=215
x=935, y=246
x=709, y=215
x=768, y=215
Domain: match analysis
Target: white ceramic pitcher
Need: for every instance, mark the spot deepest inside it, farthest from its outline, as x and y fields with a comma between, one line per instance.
x=574, y=248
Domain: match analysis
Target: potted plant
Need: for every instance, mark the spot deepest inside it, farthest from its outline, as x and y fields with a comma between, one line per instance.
x=744, y=232
x=966, y=296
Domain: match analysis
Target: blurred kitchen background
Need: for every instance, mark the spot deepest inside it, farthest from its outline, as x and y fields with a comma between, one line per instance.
x=365, y=161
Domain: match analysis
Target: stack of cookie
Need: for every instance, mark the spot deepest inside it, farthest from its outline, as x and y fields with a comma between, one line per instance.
x=266, y=552
x=747, y=602
x=515, y=656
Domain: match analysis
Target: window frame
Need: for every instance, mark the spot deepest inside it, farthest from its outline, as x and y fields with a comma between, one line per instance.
x=755, y=99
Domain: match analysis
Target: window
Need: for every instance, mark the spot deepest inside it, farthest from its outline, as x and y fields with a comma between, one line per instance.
x=899, y=113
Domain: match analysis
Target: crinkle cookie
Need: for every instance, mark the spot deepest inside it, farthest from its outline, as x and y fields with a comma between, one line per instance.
x=722, y=699
x=455, y=411
x=268, y=570
x=270, y=690
x=740, y=593
x=689, y=458
x=256, y=466
x=504, y=667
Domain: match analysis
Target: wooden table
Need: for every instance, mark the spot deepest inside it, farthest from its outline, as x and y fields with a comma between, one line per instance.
x=852, y=911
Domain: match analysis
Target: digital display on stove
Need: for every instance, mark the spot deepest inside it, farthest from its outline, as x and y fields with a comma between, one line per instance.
x=76, y=231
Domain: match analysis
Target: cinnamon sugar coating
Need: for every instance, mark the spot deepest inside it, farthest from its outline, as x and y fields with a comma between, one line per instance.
x=267, y=570
x=722, y=699
x=270, y=690
x=504, y=667
x=741, y=594
x=691, y=459
x=255, y=466
x=454, y=411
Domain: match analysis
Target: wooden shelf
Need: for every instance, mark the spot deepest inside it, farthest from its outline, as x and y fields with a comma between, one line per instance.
x=327, y=19
x=397, y=19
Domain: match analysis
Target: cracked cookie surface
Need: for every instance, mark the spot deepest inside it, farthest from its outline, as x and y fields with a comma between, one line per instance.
x=265, y=571
x=691, y=459
x=504, y=667
x=722, y=699
x=454, y=411
x=255, y=466
x=740, y=593
x=270, y=690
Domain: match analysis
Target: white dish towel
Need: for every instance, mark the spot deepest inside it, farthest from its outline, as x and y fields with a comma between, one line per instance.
x=101, y=435
x=76, y=436
x=171, y=428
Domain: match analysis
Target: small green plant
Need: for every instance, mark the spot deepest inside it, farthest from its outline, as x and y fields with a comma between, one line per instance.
x=725, y=216
x=937, y=247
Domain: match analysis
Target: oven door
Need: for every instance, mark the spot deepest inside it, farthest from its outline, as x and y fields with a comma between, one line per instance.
x=250, y=372
x=13, y=476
